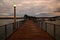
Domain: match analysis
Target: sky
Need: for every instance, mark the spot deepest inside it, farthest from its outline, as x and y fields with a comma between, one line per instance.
x=29, y=7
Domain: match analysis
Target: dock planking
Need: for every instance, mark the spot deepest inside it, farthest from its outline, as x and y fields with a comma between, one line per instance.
x=30, y=31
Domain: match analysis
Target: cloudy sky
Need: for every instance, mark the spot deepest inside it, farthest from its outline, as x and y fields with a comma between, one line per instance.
x=29, y=7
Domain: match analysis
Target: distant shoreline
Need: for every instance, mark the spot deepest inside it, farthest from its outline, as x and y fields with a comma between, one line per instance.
x=23, y=17
x=11, y=17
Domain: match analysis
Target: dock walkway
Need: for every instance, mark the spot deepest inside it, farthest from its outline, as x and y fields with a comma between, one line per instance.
x=30, y=31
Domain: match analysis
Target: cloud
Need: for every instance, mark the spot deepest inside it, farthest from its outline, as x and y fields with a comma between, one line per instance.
x=45, y=15
x=4, y=14
x=30, y=7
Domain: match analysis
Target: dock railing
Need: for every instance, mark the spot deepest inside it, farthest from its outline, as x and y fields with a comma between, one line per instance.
x=52, y=28
x=8, y=29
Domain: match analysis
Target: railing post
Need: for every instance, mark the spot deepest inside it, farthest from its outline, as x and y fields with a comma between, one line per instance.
x=13, y=27
x=41, y=25
x=46, y=27
x=17, y=25
x=54, y=31
x=5, y=32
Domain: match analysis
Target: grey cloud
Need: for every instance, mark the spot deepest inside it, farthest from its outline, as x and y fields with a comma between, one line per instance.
x=6, y=7
x=45, y=15
x=34, y=10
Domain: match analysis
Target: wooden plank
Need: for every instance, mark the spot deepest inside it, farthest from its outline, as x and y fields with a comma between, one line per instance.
x=30, y=31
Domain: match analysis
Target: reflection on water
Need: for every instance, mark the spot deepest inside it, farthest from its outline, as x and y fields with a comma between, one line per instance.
x=7, y=21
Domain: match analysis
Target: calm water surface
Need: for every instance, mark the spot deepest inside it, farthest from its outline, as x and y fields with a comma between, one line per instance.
x=50, y=28
x=9, y=28
x=7, y=21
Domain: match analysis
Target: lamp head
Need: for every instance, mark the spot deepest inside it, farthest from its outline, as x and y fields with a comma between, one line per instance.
x=14, y=5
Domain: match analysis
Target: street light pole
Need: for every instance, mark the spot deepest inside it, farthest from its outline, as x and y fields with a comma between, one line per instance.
x=14, y=17
x=14, y=13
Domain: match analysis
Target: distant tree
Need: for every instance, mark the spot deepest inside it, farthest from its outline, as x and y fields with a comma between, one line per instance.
x=25, y=16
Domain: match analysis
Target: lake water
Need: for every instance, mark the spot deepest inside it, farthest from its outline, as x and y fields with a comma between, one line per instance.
x=9, y=27
x=7, y=21
x=50, y=28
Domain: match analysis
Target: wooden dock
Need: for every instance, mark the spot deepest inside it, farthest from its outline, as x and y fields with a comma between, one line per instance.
x=30, y=31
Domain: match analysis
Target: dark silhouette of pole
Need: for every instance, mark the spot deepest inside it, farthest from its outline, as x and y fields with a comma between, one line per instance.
x=14, y=13
x=14, y=17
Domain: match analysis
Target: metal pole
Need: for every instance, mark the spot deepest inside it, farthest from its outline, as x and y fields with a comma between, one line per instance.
x=46, y=27
x=14, y=14
x=54, y=31
x=5, y=32
x=14, y=17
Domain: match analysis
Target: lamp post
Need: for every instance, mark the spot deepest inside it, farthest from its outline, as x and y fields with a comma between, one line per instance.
x=14, y=16
x=14, y=13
